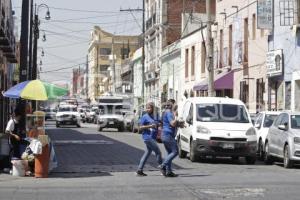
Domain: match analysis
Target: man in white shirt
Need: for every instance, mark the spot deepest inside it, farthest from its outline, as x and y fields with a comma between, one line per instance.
x=14, y=131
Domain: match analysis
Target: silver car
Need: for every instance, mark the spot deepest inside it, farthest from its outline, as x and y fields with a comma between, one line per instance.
x=283, y=139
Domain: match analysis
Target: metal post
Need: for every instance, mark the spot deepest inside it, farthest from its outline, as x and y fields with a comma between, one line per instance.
x=209, y=64
x=143, y=56
x=35, y=44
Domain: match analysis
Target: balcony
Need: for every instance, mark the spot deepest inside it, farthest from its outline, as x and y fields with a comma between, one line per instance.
x=7, y=39
x=126, y=67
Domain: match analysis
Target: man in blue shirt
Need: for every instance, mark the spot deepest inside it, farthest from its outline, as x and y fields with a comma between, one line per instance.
x=148, y=126
x=168, y=139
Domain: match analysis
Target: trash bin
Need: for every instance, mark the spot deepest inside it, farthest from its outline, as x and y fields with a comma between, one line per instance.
x=41, y=163
x=18, y=167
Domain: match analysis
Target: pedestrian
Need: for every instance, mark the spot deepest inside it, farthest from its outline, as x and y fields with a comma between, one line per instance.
x=168, y=138
x=16, y=135
x=149, y=126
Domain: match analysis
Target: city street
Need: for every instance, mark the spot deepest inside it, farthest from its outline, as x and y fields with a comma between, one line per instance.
x=94, y=165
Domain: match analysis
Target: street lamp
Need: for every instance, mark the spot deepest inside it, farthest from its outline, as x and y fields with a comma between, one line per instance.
x=36, y=31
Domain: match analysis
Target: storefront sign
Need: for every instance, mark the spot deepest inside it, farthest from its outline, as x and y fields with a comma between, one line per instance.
x=265, y=14
x=274, y=63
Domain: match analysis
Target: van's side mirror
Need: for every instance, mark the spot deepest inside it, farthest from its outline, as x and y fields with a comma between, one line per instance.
x=282, y=127
x=257, y=126
x=189, y=121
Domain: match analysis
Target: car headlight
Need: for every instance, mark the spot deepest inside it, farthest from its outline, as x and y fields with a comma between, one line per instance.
x=297, y=140
x=251, y=131
x=202, y=129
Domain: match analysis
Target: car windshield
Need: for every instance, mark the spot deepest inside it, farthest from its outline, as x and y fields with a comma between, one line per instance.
x=295, y=121
x=67, y=109
x=222, y=113
x=269, y=120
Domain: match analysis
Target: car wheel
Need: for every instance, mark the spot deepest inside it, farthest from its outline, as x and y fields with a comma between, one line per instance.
x=260, y=150
x=287, y=163
x=121, y=129
x=57, y=125
x=268, y=160
x=234, y=158
x=193, y=156
x=181, y=153
x=250, y=160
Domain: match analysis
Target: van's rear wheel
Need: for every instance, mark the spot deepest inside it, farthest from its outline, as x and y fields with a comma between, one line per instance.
x=250, y=160
x=287, y=163
x=181, y=153
x=268, y=160
x=193, y=155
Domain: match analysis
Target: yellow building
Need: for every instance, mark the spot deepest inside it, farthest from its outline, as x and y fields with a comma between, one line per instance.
x=105, y=54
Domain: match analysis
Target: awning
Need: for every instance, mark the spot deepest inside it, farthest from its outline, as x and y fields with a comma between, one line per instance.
x=222, y=81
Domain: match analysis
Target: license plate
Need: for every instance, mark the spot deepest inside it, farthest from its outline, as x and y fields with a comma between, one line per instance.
x=68, y=123
x=110, y=122
x=228, y=146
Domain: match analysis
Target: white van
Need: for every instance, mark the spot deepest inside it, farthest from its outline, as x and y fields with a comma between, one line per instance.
x=216, y=126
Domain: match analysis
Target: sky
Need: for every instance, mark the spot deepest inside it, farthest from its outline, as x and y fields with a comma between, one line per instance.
x=68, y=31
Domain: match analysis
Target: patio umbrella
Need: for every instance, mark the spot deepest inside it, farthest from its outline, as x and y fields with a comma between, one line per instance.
x=35, y=90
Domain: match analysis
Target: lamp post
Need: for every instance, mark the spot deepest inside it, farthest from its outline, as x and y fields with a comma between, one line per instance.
x=36, y=24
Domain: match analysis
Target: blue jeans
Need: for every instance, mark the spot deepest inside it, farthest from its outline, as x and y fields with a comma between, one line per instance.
x=151, y=145
x=172, y=150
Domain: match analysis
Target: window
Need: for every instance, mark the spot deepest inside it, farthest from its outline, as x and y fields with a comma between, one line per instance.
x=246, y=37
x=277, y=121
x=203, y=57
x=253, y=26
x=193, y=62
x=186, y=63
x=269, y=119
x=222, y=113
x=295, y=121
x=125, y=53
x=298, y=11
x=230, y=46
x=244, y=92
x=105, y=51
x=260, y=86
x=285, y=120
x=104, y=68
x=221, y=49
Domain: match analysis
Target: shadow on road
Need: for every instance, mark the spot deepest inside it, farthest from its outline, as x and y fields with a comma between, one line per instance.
x=90, y=154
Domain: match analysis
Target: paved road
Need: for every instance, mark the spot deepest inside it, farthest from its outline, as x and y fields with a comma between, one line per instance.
x=95, y=165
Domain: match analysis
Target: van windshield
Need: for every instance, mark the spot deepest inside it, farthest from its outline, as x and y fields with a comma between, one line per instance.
x=222, y=113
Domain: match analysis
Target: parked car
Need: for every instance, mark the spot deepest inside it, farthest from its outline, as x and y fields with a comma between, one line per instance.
x=216, y=126
x=283, y=139
x=262, y=124
x=50, y=113
x=68, y=115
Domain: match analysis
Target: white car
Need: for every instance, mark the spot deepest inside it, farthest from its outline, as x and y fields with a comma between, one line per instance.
x=283, y=139
x=216, y=126
x=263, y=122
x=68, y=115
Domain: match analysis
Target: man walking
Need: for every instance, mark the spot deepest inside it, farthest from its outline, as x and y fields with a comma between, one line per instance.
x=148, y=126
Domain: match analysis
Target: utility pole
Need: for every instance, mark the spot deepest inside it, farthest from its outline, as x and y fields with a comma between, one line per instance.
x=143, y=45
x=209, y=57
x=113, y=65
x=35, y=41
x=24, y=41
x=30, y=41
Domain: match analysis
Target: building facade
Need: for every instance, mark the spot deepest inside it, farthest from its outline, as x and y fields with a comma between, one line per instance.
x=162, y=28
x=240, y=47
x=7, y=58
x=106, y=53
